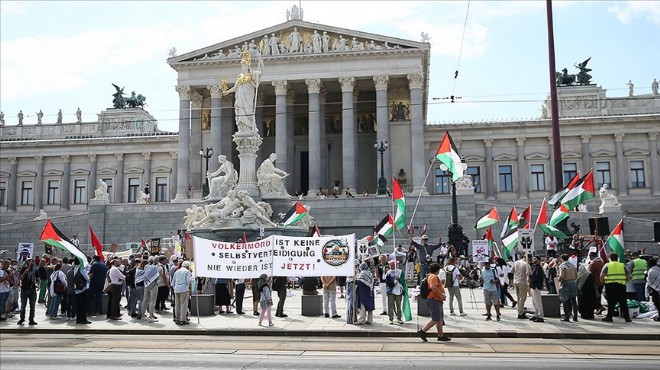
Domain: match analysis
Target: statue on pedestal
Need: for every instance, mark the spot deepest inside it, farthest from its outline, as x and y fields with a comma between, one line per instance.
x=193, y=215
x=59, y=116
x=222, y=180
x=102, y=192
x=255, y=212
x=583, y=77
x=40, y=116
x=654, y=87
x=143, y=198
x=270, y=179
x=245, y=90
x=42, y=215
x=20, y=118
x=607, y=199
x=79, y=116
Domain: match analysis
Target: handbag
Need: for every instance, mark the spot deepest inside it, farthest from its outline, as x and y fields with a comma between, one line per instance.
x=59, y=287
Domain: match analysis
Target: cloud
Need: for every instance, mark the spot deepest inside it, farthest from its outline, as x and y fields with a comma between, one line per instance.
x=649, y=10
x=12, y=8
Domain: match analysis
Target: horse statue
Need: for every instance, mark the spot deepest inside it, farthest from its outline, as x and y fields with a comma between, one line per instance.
x=121, y=102
x=136, y=101
x=564, y=78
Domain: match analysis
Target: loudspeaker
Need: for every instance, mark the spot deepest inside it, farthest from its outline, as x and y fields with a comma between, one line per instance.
x=599, y=226
x=656, y=231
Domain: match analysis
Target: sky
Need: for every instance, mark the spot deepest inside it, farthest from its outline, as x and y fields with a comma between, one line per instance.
x=65, y=55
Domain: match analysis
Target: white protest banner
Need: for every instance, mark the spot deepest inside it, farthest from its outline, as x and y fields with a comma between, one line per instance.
x=24, y=251
x=327, y=255
x=526, y=239
x=480, y=251
x=232, y=260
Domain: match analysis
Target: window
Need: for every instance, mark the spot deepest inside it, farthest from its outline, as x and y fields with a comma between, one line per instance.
x=109, y=182
x=570, y=170
x=133, y=189
x=26, y=193
x=80, y=192
x=3, y=193
x=474, y=171
x=442, y=182
x=538, y=177
x=506, y=178
x=637, y=174
x=603, y=174
x=161, y=189
x=53, y=192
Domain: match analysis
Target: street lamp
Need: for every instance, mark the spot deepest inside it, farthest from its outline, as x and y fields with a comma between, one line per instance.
x=455, y=230
x=382, y=182
x=206, y=153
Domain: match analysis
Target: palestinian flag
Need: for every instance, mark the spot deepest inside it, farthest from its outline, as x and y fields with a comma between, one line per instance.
x=407, y=312
x=508, y=243
x=386, y=226
x=615, y=241
x=542, y=223
x=582, y=192
x=489, y=237
x=448, y=155
x=315, y=232
x=98, y=247
x=559, y=215
x=510, y=224
x=556, y=199
x=295, y=214
x=378, y=240
x=54, y=237
x=400, y=203
x=525, y=218
x=490, y=218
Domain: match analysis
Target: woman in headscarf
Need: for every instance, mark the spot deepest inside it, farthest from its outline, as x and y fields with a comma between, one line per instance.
x=587, y=293
x=365, y=295
x=568, y=290
x=266, y=300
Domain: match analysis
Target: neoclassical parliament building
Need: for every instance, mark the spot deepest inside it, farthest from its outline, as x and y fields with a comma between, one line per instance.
x=326, y=95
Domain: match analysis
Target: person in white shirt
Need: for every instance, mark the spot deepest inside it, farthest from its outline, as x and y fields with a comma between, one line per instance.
x=56, y=298
x=394, y=292
x=116, y=280
x=182, y=281
x=551, y=244
x=521, y=272
x=453, y=279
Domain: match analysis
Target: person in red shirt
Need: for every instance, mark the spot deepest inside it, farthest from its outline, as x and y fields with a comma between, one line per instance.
x=434, y=302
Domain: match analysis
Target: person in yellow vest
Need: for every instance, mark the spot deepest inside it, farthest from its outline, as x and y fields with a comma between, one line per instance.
x=638, y=267
x=615, y=275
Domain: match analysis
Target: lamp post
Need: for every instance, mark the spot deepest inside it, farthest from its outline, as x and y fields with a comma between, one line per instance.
x=455, y=230
x=381, y=147
x=206, y=153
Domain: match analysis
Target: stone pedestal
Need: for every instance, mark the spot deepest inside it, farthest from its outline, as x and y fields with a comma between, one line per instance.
x=247, y=145
x=312, y=305
x=205, y=302
x=119, y=122
x=550, y=304
x=99, y=202
x=605, y=210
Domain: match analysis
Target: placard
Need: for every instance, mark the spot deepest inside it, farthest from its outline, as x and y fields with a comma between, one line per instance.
x=480, y=251
x=24, y=252
x=134, y=246
x=233, y=260
x=155, y=246
x=526, y=240
x=363, y=247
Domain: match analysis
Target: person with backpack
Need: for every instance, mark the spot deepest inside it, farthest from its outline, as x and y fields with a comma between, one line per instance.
x=81, y=289
x=57, y=291
x=394, y=289
x=433, y=292
x=453, y=279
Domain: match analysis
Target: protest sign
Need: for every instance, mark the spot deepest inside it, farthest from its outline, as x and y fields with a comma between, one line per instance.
x=480, y=251
x=327, y=255
x=233, y=260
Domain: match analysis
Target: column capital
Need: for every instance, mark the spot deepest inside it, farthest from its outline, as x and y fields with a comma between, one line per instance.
x=92, y=157
x=216, y=91
x=347, y=83
x=197, y=100
x=12, y=160
x=416, y=80
x=184, y=92
x=40, y=158
x=290, y=97
x=261, y=97
x=313, y=85
x=520, y=141
x=119, y=156
x=619, y=137
x=280, y=87
x=488, y=143
x=174, y=155
x=381, y=81
x=585, y=138
x=323, y=96
x=653, y=136
x=147, y=156
x=66, y=158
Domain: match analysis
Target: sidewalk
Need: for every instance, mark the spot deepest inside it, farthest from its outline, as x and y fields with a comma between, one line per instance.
x=473, y=325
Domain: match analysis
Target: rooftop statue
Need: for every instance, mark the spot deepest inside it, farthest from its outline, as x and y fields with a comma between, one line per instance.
x=583, y=78
x=121, y=102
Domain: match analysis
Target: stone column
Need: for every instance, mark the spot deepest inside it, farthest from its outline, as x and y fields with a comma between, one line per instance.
x=216, y=133
x=621, y=183
x=322, y=138
x=227, y=128
x=12, y=184
x=290, y=140
x=488, y=178
x=348, y=132
x=259, y=120
x=93, y=166
x=196, y=162
x=119, y=181
x=655, y=167
x=183, y=163
x=522, y=169
x=39, y=183
x=66, y=182
x=280, y=125
x=314, y=137
x=170, y=185
x=147, y=175
x=586, y=154
x=415, y=83
x=382, y=123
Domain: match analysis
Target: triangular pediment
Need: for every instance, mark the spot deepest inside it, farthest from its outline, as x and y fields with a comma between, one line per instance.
x=571, y=155
x=474, y=158
x=339, y=41
x=602, y=153
x=27, y=174
x=505, y=157
x=4, y=175
x=537, y=156
x=53, y=172
x=134, y=170
x=79, y=172
x=106, y=171
x=161, y=169
x=636, y=152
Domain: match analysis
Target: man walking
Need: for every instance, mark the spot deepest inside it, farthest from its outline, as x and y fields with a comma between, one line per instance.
x=329, y=284
x=28, y=277
x=435, y=301
x=535, y=285
x=453, y=278
x=615, y=275
x=521, y=272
